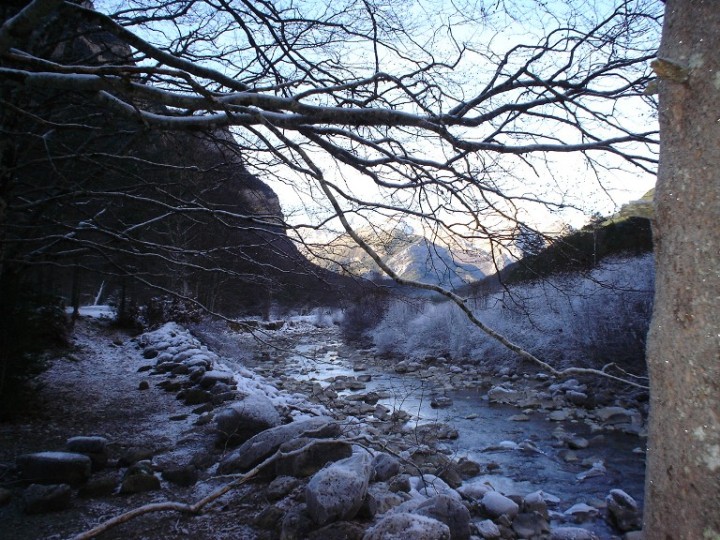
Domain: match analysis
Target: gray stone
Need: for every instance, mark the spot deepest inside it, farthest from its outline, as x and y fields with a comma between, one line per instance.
x=430, y=485
x=243, y=419
x=403, y=526
x=280, y=487
x=309, y=455
x=474, y=491
x=450, y=512
x=296, y=525
x=614, y=415
x=379, y=499
x=211, y=378
x=94, y=447
x=623, y=511
x=262, y=445
x=530, y=525
x=495, y=504
x=385, y=466
x=139, y=483
x=99, y=486
x=179, y=475
x=55, y=467
x=337, y=491
x=487, y=529
x=572, y=533
x=500, y=394
x=467, y=468
x=40, y=499
x=581, y=512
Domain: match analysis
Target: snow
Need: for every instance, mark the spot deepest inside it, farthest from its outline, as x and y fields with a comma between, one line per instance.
x=94, y=312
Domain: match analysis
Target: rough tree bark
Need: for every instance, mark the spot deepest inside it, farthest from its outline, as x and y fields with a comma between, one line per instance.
x=683, y=476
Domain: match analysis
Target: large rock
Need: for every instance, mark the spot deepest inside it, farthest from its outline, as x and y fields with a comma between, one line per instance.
x=623, y=511
x=385, y=466
x=307, y=456
x=403, y=526
x=93, y=447
x=379, y=499
x=336, y=492
x=261, y=446
x=55, y=468
x=40, y=499
x=450, y=512
x=430, y=485
x=243, y=419
x=496, y=504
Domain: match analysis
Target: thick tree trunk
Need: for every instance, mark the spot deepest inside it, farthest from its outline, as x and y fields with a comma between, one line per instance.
x=683, y=476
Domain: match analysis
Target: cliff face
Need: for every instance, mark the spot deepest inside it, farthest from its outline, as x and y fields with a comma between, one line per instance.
x=91, y=197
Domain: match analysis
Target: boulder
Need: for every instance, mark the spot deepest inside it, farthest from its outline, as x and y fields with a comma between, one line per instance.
x=280, y=487
x=385, y=466
x=403, y=526
x=93, y=447
x=530, y=525
x=474, y=491
x=430, y=485
x=261, y=446
x=337, y=491
x=309, y=455
x=487, y=529
x=379, y=499
x=450, y=512
x=243, y=419
x=296, y=525
x=139, y=478
x=100, y=485
x=181, y=475
x=581, y=512
x=55, y=467
x=623, y=511
x=40, y=499
x=500, y=394
x=496, y=504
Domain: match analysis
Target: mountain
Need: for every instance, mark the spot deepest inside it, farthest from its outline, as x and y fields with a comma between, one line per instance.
x=413, y=257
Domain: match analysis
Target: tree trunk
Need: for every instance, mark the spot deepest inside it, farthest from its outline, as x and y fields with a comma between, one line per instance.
x=683, y=477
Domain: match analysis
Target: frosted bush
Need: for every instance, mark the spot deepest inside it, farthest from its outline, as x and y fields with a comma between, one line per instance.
x=567, y=319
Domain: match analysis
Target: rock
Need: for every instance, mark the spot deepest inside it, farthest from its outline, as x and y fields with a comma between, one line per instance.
x=133, y=455
x=259, y=447
x=55, y=468
x=430, y=485
x=633, y=535
x=400, y=483
x=450, y=512
x=243, y=419
x=614, y=415
x=181, y=475
x=538, y=501
x=500, y=394
x=195, y=396
x=597, y=469
x=474, y=491
x=296, y=525
x=144, y=385
x=581, y=512
x=487, y=529
x=495, y=504
x=139, y=478
x=440, y=402
x=385, y=466
x=269, y=518
x=559, y=416
x=314, y=455
x=530, y=525
x=403, y=526
x=577, y=398
x=519, y=418
x=101, y=485
x=379, y=499
x=577, y=443
x=341, y=530
x=572, y=533
x=337, y=491
x=94, y=447
x=280, y=487
x=467, y=468
x=41, y=499
x=623, y=511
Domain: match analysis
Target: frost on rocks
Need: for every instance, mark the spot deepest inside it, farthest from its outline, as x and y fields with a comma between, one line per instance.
x=245, y=418
x=496, y=504
x=581, y=512
x=403, y=526
x=55, y=467
x=623, y=511
x=430, y=485
x=337, y=491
